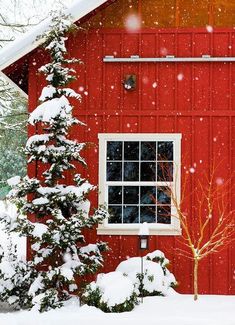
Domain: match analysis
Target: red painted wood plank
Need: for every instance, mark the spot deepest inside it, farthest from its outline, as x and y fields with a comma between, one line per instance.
x=199, y=106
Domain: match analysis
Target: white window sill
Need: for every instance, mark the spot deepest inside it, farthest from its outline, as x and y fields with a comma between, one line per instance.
x=134, y=230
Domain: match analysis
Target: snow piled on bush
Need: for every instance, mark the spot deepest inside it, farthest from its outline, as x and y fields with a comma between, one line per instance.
x=117, y=291
x=116, y=288
x=112, y=292
x=153, y=279
x=157, y=280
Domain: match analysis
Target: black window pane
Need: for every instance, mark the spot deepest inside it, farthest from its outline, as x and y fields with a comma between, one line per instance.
x=131, y=150
x=148, y=150
x=131, y=171
x=131, y=194
x=163, y=195
x=165, y=171
x=114, y=171
x=148, y=195
x=165, y=150
x=130, y=214
x=115, y=214
x=114, y=150
x=115, y=195
x=148, y=171
x=148, y=214
x=164, y=214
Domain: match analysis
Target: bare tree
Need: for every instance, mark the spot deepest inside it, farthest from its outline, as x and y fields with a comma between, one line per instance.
x=211, y=229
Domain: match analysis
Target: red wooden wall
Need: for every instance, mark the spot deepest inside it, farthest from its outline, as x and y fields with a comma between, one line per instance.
x=200, y=106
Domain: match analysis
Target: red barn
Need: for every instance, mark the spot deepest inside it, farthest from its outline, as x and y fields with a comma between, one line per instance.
x=158, y=89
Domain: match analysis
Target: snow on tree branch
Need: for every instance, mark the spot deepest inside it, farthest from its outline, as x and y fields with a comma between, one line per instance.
x=56, y=212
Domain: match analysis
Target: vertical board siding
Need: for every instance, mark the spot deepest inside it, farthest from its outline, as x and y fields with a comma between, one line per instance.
x=165, y=14
x=195, y=99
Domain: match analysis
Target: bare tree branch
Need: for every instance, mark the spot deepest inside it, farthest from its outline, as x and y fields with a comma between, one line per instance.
x=214, y=228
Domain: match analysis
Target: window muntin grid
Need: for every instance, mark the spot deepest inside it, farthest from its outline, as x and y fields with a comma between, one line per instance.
x=134, y=171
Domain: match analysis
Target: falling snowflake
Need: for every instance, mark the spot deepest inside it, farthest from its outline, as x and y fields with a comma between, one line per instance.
x=132, y=23
x=155, y=84
x=180, y=76
x=192, y=170
x=145, y=80
x=163, y=51
x=209, y=28
x=219, y=181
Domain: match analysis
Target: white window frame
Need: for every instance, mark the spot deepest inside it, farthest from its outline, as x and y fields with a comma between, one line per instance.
x=133, y=229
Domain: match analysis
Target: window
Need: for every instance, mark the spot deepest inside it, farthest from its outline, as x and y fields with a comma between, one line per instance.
x=135, y=173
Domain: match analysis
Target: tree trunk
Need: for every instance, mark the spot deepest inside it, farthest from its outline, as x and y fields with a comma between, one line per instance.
x=195, y=279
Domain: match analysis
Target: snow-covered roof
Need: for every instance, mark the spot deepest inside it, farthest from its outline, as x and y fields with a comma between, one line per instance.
x=28, y=42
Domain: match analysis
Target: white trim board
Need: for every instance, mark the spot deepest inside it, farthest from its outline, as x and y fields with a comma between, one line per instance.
x=133, y=229
x=28, y=42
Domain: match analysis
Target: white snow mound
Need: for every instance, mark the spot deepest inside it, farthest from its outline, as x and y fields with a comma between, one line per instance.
x=157, y=278
x=13, y=181
x=50, y=110
x=154, y=279
x=116, y=288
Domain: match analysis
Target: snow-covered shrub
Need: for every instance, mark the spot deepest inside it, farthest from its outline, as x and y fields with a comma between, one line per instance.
x=16, y=277
x=16, y=274
x=49, y=299
x=156, y=278
x=159, y=257
x=112, y=292
x=8, y=215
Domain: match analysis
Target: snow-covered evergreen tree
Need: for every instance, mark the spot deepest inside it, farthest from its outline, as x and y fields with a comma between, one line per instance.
x=55, y=213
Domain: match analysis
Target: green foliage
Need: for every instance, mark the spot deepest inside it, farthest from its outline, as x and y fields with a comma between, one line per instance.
x=13, y=137
x=61, y=210
x=159, y=258
x=16, y=277
x=49, y=300
x=156, y=279
x=143, y=292
x=55, y=44
x=93, y=297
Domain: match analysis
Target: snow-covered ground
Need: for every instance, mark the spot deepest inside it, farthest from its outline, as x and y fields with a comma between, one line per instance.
x=174, y=309
x=171, y=310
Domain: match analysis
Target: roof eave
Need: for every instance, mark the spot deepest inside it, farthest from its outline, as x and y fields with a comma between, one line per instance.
x=30, y=41
x=14, y=85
